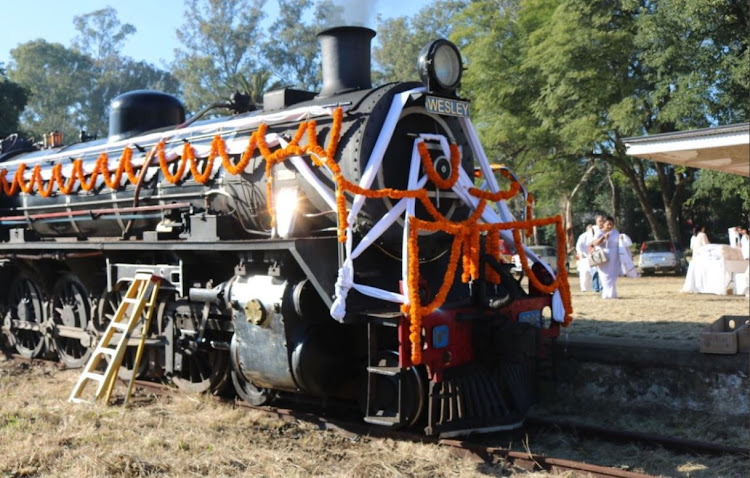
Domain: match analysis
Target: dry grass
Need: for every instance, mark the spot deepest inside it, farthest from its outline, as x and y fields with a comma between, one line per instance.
x=651, y=308
x=42, y=435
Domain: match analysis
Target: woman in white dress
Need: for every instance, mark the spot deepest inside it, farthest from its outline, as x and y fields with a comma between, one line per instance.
x=699, y=238
x=609, y=239
x=582, y=251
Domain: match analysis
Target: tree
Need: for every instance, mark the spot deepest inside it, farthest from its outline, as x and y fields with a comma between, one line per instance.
x=101, y=36
x=100, y=33
x=58, y=80
x=13, y=99
x=569, y=79
x=719, y=200
x=292, y=50
x=693, y=56
x=496, y=41
x=221, y=45
x=400, y=39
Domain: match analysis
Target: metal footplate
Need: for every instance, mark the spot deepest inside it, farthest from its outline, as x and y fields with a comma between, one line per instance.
x=385, y=386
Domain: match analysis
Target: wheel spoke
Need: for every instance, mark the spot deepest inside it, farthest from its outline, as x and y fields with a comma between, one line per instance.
x=70, y=308
x=26, y=305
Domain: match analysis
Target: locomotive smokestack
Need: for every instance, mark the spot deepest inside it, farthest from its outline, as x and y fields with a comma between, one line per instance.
x=346, y=59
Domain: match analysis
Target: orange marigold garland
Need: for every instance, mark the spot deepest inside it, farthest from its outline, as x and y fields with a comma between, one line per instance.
x=464, y=236
x=429, y=167
x=492, y=246
x=466, y=233
x=415, y=310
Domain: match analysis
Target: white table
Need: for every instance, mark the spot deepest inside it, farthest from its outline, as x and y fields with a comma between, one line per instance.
x=707, y=275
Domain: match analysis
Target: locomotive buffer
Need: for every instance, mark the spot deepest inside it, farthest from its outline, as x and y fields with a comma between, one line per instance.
x=140, y=295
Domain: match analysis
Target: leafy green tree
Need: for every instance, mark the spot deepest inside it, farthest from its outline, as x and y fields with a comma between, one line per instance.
x=562, y=82
x=221, y=45
x=496, y=41
x=693, y=55
x=400, y=39
x=13, y=99
x=590, y=92
x=292, y=50
x=719, y=200
x=58, y=80
x=101, y=36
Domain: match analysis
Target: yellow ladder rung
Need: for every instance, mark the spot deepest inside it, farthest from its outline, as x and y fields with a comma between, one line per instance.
x=124, y=321
x=80, y=400
x=97, y=377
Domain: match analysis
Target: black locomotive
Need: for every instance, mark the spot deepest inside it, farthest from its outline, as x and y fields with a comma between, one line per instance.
x=331, y=244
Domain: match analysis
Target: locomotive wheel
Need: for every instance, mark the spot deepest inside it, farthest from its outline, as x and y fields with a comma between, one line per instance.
x=197, y=369
x=245, y=389
x=26, y=305
x=201, y=371
x=414, y=389
x=69, y=307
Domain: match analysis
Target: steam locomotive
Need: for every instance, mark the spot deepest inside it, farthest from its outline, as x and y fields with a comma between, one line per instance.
x=341, y=244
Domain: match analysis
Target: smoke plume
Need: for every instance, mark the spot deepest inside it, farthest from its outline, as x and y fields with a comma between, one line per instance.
x=354, y=12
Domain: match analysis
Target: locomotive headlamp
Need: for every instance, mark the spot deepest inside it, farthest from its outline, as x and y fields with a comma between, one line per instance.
x=440, y=66
x=286, y=210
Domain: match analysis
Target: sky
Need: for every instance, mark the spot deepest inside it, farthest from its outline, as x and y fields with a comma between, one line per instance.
x=156, y=22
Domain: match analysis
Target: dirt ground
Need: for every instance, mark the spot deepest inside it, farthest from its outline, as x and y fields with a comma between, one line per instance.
x=651, y=308
x=42, y=435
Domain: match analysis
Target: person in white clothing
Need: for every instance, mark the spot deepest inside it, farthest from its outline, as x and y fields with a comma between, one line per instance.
x=699, y=238
x=744, y=242
x=627, y=268
x=582, y=252
x=609, y=239
x=744, y=278
x=595, y=230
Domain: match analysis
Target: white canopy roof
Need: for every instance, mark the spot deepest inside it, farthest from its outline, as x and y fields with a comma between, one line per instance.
x=724, y=148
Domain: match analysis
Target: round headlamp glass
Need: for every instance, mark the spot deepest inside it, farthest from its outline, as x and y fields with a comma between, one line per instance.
x=439, y=65
x=447, y=65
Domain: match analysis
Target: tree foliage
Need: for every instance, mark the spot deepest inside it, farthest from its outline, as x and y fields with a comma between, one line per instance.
x=58, y=80
x=291, y=49
x=221, y=46
x=13, y=99
x=101, y=36
x=558, y=84
x=400, y=39
x=70, y=89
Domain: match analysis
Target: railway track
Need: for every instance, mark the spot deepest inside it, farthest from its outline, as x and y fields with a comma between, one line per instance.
x=490, y=454
x=346, y=423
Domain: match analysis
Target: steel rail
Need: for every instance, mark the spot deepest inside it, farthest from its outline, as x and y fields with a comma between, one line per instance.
x=670, y=443
x=487, y=454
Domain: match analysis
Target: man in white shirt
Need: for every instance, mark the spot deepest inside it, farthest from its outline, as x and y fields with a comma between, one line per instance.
x=596, y=285
x=582, y=253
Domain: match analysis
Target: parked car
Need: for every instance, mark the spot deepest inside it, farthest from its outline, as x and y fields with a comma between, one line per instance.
x=547, y=254
x=661, y=256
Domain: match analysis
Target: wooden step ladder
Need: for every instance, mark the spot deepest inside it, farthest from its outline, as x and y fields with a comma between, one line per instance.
x=140, y=295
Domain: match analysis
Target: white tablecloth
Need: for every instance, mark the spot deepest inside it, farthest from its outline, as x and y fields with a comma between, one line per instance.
x=708, y=275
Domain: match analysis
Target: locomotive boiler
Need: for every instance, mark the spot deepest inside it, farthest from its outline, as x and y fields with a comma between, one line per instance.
x=342, y=244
